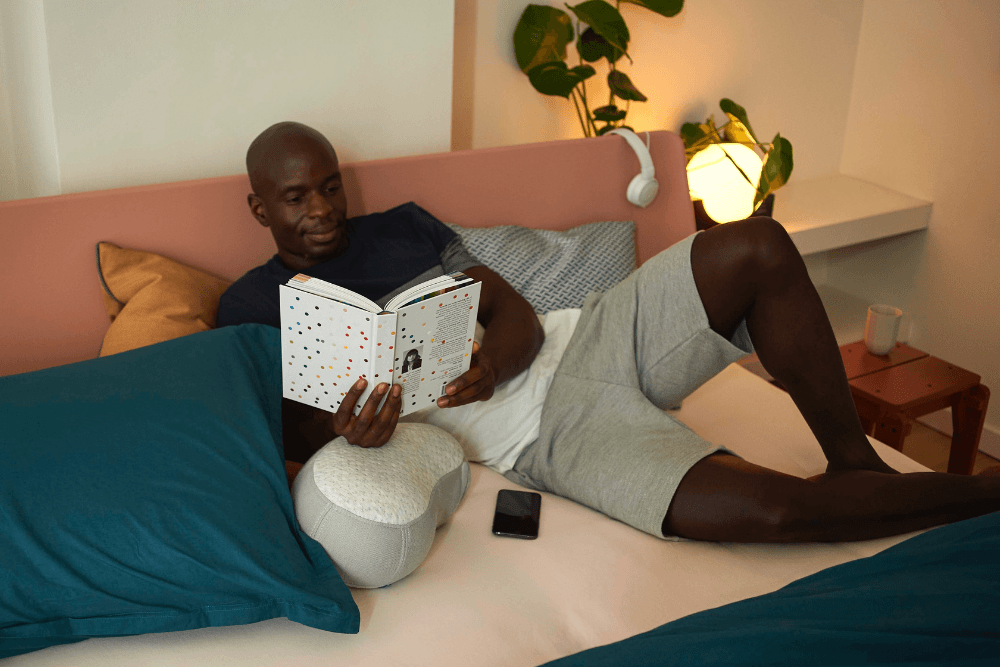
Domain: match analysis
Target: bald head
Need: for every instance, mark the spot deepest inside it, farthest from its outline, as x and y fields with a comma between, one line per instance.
x=298, y=193
x=271, y=147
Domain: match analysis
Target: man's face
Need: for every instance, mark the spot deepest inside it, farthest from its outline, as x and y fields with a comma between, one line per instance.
x=301, y=200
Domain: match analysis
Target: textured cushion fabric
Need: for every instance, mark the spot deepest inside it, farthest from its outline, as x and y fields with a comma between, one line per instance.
x=151, y=298
x=146, y=492
x=376, y=510
x=555, y=270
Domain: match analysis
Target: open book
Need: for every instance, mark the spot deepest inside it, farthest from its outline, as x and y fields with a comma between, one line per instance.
x=331, y=336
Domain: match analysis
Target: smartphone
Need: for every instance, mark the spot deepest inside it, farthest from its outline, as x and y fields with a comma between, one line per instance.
x=517, y=514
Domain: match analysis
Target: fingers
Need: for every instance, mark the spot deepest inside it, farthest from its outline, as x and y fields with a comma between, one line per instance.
x=381, y=428
x=481, y=390
x=345, y=412
x=476, y=384
x=368, y=429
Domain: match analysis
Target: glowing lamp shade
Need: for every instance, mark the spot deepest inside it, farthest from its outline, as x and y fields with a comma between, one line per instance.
x=713, y=178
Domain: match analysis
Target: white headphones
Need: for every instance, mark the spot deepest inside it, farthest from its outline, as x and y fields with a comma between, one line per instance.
x=643, y=188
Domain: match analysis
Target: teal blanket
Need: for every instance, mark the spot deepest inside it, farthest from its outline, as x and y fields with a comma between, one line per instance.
x=933, y=599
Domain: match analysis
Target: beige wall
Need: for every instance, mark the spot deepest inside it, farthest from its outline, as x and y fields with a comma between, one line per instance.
x=29, y=164
x=160, y=90
x=926, y=84
x=789, y=62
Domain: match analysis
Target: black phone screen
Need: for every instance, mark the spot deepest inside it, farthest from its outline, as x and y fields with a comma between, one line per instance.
x=517, y=514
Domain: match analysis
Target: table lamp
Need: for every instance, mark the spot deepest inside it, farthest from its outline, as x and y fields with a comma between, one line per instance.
x=715, y=178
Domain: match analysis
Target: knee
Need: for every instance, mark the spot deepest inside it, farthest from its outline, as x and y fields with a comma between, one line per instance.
x=773, y=248
x=770, y=252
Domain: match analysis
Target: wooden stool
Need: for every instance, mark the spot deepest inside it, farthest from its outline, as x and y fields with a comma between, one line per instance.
x=892, y=390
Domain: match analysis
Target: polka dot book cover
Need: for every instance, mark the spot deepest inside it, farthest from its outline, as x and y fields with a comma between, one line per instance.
x=332, y=336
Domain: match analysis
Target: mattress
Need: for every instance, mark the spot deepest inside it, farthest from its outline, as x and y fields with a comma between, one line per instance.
x=586, y=581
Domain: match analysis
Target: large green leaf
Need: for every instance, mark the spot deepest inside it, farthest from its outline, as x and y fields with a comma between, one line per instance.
x=777, y=168
x=697, y=136
x=541, y=36
x=609, y=113
x=623, y=88
x=739, y=132
x=691, y=133
x=736, y=132
x=663, y=7
x=592, y=47
x=606, y=22
x=557, y=78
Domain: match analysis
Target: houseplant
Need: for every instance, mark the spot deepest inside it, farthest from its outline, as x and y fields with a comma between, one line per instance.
x=777, y=156
x=540, y=40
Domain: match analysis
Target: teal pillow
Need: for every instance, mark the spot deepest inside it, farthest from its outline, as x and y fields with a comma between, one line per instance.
x=146, y=492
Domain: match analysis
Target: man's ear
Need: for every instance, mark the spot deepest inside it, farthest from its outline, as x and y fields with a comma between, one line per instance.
x=256, y=205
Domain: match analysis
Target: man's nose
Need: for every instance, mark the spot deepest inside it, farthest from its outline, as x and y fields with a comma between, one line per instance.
x=319, y=207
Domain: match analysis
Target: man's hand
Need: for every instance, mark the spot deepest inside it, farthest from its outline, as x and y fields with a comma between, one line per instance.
x=475, y=384
x=367, y=429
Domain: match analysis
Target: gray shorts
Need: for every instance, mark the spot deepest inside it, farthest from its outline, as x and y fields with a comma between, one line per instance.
x=638, y=349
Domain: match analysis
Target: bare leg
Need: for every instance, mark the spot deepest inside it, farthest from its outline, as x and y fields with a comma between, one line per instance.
x=751, y=270
x=726, y=499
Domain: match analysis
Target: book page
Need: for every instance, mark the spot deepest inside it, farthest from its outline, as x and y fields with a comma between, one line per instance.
x=325, y=288
x=427, y=289
x=325, y=348
x=434, y=344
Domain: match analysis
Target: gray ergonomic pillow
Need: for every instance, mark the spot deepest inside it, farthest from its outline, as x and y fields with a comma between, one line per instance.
x=376, y=510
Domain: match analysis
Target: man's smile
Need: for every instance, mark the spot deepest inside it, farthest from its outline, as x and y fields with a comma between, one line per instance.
x=320, y=236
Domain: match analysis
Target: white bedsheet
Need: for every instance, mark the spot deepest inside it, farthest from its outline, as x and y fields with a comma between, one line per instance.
x=587, y=580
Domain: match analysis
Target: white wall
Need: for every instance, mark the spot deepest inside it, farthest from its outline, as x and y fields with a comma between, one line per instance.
x=898, y=92
x=789, y=62
x=160, y=90
x=29, y=165
x=926, y=86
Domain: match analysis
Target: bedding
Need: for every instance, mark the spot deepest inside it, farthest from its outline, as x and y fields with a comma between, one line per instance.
x=477, y=599
x=554, y=270
x=145, y=492
x=931, y=600
x=587, y=581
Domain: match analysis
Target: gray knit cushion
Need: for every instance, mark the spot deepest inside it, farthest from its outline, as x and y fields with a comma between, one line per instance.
x=376, y=510
x=555, y=270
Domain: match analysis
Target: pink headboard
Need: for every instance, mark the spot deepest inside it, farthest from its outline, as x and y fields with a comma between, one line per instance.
x=51, y=310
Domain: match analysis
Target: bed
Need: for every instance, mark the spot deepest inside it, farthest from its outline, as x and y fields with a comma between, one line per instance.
x=587, y=582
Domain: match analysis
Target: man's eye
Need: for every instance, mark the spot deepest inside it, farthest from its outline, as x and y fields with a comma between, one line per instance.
x=333, y=188
x=294, y=200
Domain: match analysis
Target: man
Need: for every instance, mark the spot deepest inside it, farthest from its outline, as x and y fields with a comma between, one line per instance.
x=601, y=437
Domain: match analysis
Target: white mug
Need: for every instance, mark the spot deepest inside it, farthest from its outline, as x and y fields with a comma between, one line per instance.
x=882, y=328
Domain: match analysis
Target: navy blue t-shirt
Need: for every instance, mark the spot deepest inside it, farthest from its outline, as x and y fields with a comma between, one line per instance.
x=387, y=252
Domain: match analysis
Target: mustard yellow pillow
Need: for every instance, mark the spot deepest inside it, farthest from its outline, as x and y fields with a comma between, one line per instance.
x=151, y=298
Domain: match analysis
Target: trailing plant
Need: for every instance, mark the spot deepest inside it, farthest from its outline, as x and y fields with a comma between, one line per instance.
x=540, y=40
x=777, y=156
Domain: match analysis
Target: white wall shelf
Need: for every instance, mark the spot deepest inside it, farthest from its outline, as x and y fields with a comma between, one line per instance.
x=835, y=211
x=839, y=211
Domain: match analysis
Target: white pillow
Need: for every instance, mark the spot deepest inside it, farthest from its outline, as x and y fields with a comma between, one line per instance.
x=376, y=510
